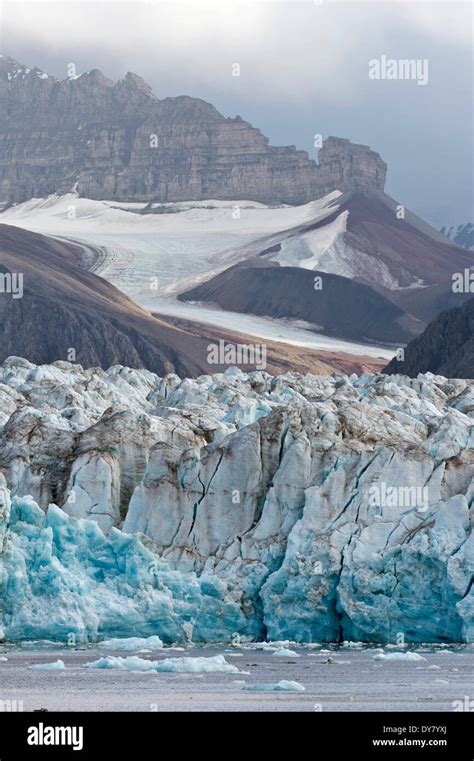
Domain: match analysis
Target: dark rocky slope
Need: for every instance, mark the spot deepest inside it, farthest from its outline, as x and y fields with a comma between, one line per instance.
x=342, y=307
x=65, y=307
x=446, y=347
x=379, y=247
x=409, y=247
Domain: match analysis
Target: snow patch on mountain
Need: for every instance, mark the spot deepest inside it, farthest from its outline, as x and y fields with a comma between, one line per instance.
x=326, y=250
x=73, y=216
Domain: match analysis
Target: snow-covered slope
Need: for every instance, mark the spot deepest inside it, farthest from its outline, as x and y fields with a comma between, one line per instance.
x=303, y=507
x=357, y=235
x=69, y=214
x=153, y=256
x=159, y=254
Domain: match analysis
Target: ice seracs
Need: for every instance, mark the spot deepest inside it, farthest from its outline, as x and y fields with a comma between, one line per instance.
x=234, y=505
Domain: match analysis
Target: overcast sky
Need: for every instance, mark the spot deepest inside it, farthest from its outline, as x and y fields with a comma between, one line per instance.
x=303, y=70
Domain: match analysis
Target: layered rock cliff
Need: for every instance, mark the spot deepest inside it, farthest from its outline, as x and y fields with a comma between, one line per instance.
x=116, y=140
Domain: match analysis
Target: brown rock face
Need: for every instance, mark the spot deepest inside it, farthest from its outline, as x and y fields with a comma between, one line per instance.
x=116, y=140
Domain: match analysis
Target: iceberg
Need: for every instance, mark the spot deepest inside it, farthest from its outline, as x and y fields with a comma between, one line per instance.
x=406, y=656
x=183, y=665
x=283, y=686
x=130, y=663
x=54, y=666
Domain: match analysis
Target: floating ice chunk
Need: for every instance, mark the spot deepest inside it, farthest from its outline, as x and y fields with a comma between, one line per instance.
x=130, y=663
x=257, y=646
x=54, y=666
x=283, y=686
x=3, y=658
x=181, y=665
x=191, y=665
x=408, y=656
x=133, y=643
x=277, y=644
x=284, y=652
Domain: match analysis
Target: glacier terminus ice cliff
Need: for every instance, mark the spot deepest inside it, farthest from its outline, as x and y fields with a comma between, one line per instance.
x=309, y=508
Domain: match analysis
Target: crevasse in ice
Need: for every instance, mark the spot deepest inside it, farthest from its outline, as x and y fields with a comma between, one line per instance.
x=62, y=576
x=304, y=508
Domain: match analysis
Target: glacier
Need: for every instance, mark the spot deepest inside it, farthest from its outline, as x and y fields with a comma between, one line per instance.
x=234, y=507
x=188, y=242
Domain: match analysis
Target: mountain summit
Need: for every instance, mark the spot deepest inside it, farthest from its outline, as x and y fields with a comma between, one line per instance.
x=118, y=141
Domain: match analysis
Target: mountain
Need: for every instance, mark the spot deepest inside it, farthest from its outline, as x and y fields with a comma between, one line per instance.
x=118, y=141
x=384, y=277
x=360, y=236
x=341, y=307
x=309, y=508
x=64, y=307
x=462, y=235
x=446, y=347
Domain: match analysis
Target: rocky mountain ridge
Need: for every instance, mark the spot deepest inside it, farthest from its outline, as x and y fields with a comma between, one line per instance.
x=118, y=141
